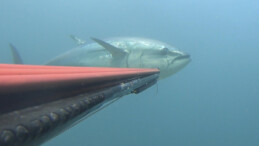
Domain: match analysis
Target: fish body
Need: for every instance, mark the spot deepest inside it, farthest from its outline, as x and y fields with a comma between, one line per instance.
x=125, y=52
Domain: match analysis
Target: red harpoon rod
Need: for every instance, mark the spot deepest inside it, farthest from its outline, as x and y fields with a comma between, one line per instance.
x=30, y=77
x=13, y=69
x=23, y=86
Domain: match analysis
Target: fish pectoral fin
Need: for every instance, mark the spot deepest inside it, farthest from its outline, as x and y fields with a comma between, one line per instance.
x=78, y=40
x=117, y=53
x=16, y=55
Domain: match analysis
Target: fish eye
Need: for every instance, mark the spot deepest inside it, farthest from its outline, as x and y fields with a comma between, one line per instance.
x=164, y=51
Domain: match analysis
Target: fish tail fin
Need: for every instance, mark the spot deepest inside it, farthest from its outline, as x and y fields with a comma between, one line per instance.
x=16, y=55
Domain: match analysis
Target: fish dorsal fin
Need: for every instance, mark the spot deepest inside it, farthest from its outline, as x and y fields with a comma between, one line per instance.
x=78, y=40
x=117, y=53
x=16, y=56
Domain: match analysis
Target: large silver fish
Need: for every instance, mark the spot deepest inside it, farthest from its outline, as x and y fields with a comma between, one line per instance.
x=128, y=52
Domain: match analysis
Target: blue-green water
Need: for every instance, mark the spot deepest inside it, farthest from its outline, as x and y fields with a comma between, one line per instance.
x=213, y=101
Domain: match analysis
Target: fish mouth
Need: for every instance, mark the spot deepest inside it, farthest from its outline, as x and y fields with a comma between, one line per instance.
x=184, y=56
x=180, y=61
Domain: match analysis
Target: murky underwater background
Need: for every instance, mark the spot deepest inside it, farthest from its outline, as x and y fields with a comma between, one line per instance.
x=213, y=101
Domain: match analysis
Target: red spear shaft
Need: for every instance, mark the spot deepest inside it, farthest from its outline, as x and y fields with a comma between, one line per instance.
x=39, y=102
